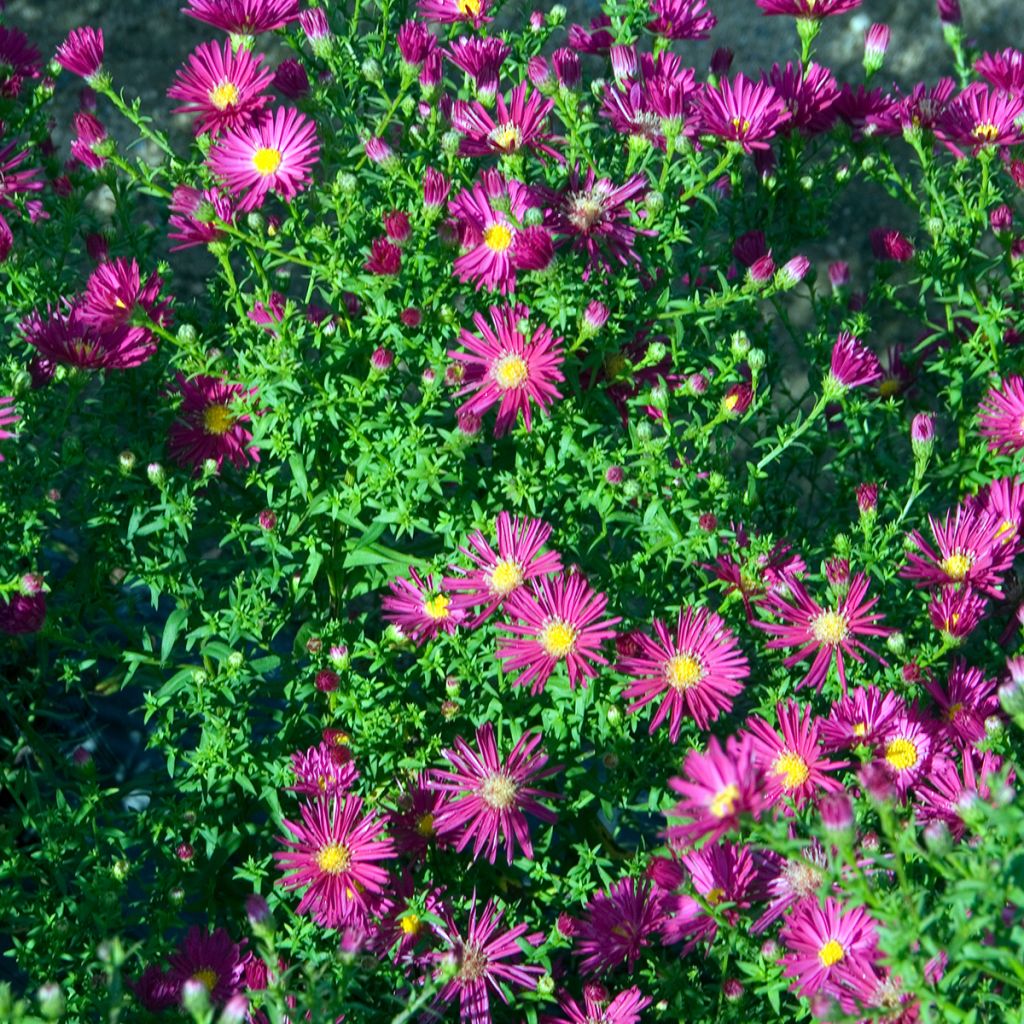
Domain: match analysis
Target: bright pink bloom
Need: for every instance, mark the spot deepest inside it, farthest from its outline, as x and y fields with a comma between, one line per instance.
x=61, y=335
x=320, y=772
x=82, y=52
x=498, y=574
x=826, y=942
x=194, y=216
x=490, y=798
x=222, y=86
x=208, y=427
x=980, y=118
x=789, y=881
x=89, y=133
x=1004, y=70
x=957, y=611
x=906, y=749
x=519, y=124
x=681, y=19
x=963, y=704
x=447, y=12
x=481, y=59
x=862, y=717
x=623, y=1008
x=890, y=244
x=333, y=855
x=419, y=609
x=508, y=368
x=114, y=294
x=853, y=365
x=212, y=959
x=697, y=672
x=618, y=924
x=273, y=154
x=742, y=111
x=385, y=258
x=19, y=60
x=400, y=912
x=412, y=823
x=827, y=633
x=809, y=94
x=22, y=613
x=557, y=620
x=807, y=8
x=244, y=17
x=1001, y=416
x=947, y=793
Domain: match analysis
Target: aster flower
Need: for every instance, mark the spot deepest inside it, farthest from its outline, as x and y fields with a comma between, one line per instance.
x=244, y=17
x=486, y=961
x=681, y=19
x=920, y=110
x=1003, y=500
x=413, y=822
x=22, y=613
x=966, y=552
x=89, y=133
x=320, y=772
x=618, y=925
x=291, y=79
x=508, y=368
x=447, y=12
x=385, y=259
x=194, y=216
x=792, y=763
x=906, y=750
x=742, y=111
x=518, y=560
x=9, y=416
x=419, y=609
x=19, y=60
x=789, y=881
x=1004, y=70
x=481, y=59
x=212, y=959
x=717, y=788
x=624, y=1008
x=963, y=704
x=273, y=154
x=827, y=633
x=114, y=294
x=826, y=942
x=980, y=118
x=208, y=428
x=762, y=574
x=948, y=792
x=82, y=53
x=956, y=612
x=890, y=244
x=490, y=798
x=853, y=365
x=519, y=125
x=222, y=86
x=1001, y=416
x=813, y=9
x=558, y=619
x=697, y=672
x=62, y=336
x=401, y=914
x=333, y=854
x=862, y=717
x=809, y=94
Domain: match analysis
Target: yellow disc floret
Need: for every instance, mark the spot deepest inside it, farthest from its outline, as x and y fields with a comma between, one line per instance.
x=224, y=95
x=684, y=671
x=333, y=858
x=498, y=237
x=901, y=753
x=266, y=160
x=558, y=638
x=436, y=607
x=217, y=420
x=725, y=800
x=510, y=371
x=831, y=953
x=792, y=768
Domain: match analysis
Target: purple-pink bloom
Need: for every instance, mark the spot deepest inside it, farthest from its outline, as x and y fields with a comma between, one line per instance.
x=623, y=1008
x=82, y=52
x=1001, y=416
x=518, y=124
x=209, y=426
x=194, y=216
x=419, y=609
x=213, y=959
x=814, y=9
x=618, y=925
x=681, y=19
x=748, y=113
x=853, y=364
x=244, y=17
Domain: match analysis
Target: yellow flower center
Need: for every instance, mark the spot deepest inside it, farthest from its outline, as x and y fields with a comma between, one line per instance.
x=952, y=711
x=957, y=565
x=468, y=8
x=333, y=858
x=266, y=160
x=684, y=671
x=474, y=960
x=860, y=729
x=506, y=137
x=901, y=753
x=498, y=791
x=207, y=977
x=510, y=371
x=425, y=825
x=615, y=364
x=889, y=387
x=730, y=402
x=985, y=132
x=411, y=924
x=224, y=95
x=831, y=953
x=1007, y=531
x=217, y=419
x=436, y=607
x=715, y=897
x=725, y=800
x=558, y=638
x=742, y=125
x=498, y=237
x=793, y=769
x=505, y=577
x=830, y=628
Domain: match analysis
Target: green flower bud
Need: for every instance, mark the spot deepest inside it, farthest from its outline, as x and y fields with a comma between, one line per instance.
x=756, y=360
x=739, y=344
x=371, y=70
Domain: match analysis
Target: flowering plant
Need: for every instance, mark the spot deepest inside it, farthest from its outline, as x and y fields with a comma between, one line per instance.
x=535, y=579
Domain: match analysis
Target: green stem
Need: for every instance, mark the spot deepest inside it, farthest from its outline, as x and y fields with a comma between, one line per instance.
x=819, y=408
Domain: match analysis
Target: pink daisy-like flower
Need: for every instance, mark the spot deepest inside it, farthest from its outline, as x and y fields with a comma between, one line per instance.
x=624, y=1008
x=789, y=881
x=208, y=428
x=518, y=560
x=194, y=216
x=486, y=961
x=1003, y=499
x=861, y=718
x=23, y=613
x=401, y=924
x=319, y=772
x=618, y=925
x=906, y=750
x=61, y=335
x=697, y=672
x=827, y=633
x=968, y=553
x=853, y=365
x=244, y=17
x=815, y=9
x=222, y=86
x=508, y=368
x=742, y=111
x=559, y=620
x=82, y=53
x=825, y=943
x=9, y=416
x=413, y=823
x=681, y=19
x=89, y=133
x=481, y=59
x=890, y=244
x=1004, y=70
x=1001, y=416
x=980, y=118
x=273, y=154
x=489, y=799
x=115, y=293
x=333, y=854
x=717, y=788
x=447, y=12
x=212, y=959
x=957, y=611
x=518, y=125
x=792, y=763
x=963, y=704
x=419, y=609
x=948, y=792
x=809, y=94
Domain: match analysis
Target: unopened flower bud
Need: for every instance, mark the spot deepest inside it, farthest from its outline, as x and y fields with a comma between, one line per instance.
x=756, y=360
x=739, y=344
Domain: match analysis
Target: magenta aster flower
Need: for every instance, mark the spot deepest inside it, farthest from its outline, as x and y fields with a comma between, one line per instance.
x=82, y=53
x=809, y=95
x=419, y=609
x=906, y=750
x=1001, y=416
x=853, y=365
x=320, y=772
x=957, y=611
x=1004, y=70
x=968, y=552
x=89, y=133
x=814, y=9
x=948, y=792
x=560, y=619
x=507, y=367
x=212, y=959
x=61, y=335
x=825, y=942
x=717, y=788
x=980, y=118
x=333, y=854
x=481, y=59
x=742, y=111
x=194, y=216
x=789, y=881
x=827, y=633
x=697, y=672
x=244, y=17
x=19, y=60
x=519, y=124
x=486, y=961
x=681, y=19
x=1003, y=500
x=273, y=154
x=8, y=416
x=413, y=822
x=208, y=427
x=447, y=12
x=222, y=86
x=491, y=798
x=862, y=717
x=114, y=294
x=22, y=613
x=518, y=560
x=401, y=925
x=963, y=704
x=624, y=1008
x=618, y=925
